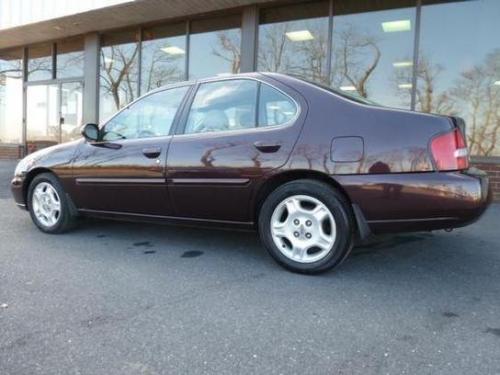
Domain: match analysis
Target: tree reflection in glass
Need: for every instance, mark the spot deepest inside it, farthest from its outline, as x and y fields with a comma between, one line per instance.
x=215, y=46
x=462, y=78
x=163, y=56
x=118, y=74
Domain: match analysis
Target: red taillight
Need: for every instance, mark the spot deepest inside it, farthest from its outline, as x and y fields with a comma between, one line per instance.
x=450, y=151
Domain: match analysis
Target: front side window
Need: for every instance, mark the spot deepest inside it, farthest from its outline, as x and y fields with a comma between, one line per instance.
x=152, y=116
x=232, y=105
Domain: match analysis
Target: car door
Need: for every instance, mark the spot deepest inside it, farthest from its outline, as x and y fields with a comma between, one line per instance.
x=125, y=170
x=233, y=132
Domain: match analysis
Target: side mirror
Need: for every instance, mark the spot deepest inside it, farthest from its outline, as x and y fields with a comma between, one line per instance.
x=90, y=132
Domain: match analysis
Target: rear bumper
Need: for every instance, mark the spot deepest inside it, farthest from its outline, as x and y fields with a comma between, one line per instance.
x=419, y=201
x=16, y=187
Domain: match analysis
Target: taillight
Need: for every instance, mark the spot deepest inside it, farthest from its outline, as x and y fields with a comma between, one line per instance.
x=450, y=151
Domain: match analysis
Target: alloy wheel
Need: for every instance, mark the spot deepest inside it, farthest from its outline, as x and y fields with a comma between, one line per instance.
x=303, y=228
x=46, y=204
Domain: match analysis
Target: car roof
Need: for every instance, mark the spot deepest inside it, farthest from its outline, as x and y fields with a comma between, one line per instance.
x=219, y=77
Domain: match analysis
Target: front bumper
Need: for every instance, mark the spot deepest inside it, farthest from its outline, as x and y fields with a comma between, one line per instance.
x=17, y=189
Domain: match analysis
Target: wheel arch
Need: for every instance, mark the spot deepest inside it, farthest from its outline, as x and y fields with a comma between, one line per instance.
x=280, y=178
x=29, y=177
x=361, y=227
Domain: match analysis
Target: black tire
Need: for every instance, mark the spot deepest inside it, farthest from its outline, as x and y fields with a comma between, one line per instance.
x=340, y=210
x=66, y=219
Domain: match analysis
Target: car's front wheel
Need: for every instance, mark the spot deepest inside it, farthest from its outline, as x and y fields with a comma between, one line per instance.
x=306, y=226
x=48, y=204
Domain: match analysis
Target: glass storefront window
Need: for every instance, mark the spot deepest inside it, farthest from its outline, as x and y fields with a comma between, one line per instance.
x=70, y=57
x=11, y=93
x=40, y=62
x=215, y=46
x=42, y=121
x=119, y=78
x=372, y=50
x=459, y=68
x=163, y=56
x=294, y=40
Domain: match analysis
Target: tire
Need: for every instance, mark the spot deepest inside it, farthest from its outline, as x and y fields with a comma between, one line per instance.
x=307, y=226
x=62, y=219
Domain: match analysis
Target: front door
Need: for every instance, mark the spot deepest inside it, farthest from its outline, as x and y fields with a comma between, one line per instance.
x=235, y=131
x=125, y=171
x=53, y=113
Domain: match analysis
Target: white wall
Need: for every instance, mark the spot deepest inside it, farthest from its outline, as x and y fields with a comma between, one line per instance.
x=20, y=12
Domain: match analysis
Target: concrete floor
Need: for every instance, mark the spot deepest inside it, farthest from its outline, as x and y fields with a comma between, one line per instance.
x=118, y=298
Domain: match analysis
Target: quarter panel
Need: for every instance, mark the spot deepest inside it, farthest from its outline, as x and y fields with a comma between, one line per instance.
x=395, y=141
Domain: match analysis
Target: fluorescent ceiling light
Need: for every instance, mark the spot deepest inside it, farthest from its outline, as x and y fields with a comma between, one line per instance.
x=402, y=64
x=299, y=36
x=497, y=83
x=173, y=50
x=395, y=26
x=348, y=88
x=405, y=85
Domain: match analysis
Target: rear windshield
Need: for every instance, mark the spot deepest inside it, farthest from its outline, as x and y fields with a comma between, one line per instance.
x=354, y=97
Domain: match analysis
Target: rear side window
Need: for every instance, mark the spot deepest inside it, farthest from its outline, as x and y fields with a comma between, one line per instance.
x=275, y=108
x=237, y=104
x=222, y=106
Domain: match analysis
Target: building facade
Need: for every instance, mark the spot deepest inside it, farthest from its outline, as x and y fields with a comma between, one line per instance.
x=62, y=64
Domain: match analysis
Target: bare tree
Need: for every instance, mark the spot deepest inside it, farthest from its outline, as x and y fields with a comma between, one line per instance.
x=473, y=95
x=476, y=93
x=272, y=55
x=305, y=59
x=428, y=98
x=118, y=75
x=356, y=57
x=229, y=50
x=159, y=68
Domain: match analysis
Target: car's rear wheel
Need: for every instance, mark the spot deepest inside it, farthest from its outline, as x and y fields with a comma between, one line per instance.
x=48, y=204
x=306, y=226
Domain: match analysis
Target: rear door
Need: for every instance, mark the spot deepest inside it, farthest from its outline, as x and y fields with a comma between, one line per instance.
x=233, y=132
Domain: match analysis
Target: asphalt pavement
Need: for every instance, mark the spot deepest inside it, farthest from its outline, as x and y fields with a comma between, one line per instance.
x=119, y=298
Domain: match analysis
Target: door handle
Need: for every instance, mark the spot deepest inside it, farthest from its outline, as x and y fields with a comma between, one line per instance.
x=267, y=147
x=151, y=152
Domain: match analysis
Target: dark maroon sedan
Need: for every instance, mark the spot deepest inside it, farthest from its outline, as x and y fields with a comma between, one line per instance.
x=312, y=169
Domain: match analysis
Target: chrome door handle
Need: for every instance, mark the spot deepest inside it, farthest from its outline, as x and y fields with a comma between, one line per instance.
x=267, y=147
x=151, y=152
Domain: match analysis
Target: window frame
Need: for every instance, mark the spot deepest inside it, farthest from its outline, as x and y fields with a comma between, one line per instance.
x=181, y=126
x=175, y=121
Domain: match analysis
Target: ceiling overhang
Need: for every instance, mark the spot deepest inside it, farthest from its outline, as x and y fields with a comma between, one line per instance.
x=113, y=17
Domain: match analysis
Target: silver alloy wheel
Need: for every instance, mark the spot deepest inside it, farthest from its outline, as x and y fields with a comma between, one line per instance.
x=303, y=228
x=46, y=204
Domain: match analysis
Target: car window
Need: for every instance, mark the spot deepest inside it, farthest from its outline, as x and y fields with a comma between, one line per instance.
x=151, y=116
x=275, y=108
x=222, y=106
